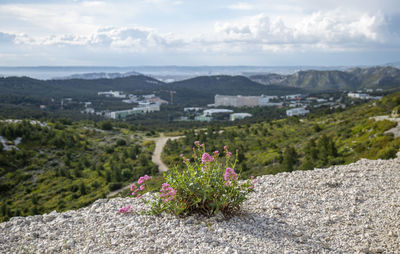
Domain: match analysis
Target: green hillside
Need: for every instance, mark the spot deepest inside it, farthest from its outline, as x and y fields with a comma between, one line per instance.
x=66, y=165
x=201, y=90
x=350, y=80
x=319, y=140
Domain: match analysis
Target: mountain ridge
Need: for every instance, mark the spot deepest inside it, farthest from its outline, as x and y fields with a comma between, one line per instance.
x=385, y=77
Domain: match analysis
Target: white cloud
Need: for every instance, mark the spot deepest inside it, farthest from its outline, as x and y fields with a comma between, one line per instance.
x=190, y=28
x=328, y=30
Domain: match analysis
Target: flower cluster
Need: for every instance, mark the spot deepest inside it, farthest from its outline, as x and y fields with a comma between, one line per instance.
x=206, y=158
x=141, y=185
x=167, y=193
x=230, y=175
x=253, y=182
x=206, y=184
x=126, y=209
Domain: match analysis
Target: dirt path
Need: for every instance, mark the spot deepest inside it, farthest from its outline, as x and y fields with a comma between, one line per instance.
x=395, y=130
x=160, y=143
x=155, y=158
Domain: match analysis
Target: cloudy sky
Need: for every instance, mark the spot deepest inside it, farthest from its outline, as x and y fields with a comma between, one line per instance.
x=201, y=32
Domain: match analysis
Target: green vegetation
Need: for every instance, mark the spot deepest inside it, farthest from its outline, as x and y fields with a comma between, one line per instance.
x=320, y=140
x=67, y=165
x=205, y=185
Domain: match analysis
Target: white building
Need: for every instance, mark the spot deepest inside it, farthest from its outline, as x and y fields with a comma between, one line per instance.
x=293, y=96
x=239, y=116
x=116, y=94
x=148, y=108
x=149, y=96
x=362, y=96
x=210, y=112
x=242, y=101
x=297, y=112
x=192, y=109
x=88, y=111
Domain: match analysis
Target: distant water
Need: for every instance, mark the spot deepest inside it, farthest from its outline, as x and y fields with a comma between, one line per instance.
x=56, y=72
x=48, y=72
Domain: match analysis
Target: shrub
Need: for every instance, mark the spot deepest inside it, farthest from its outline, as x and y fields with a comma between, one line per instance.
x=106, y=125
x=206, y=185
x=115, y=186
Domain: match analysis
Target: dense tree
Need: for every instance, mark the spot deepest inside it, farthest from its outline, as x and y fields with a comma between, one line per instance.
x=289, y=159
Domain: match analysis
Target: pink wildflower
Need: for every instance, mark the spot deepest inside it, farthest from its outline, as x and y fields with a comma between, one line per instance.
x=254, y=180
x=133, y=187
x=143, y=179
x=125, y=209
x=225, y=148
x=206, y=158
x=181, y=155
x=167, y=193
x=197, y=143
x=216, y=152
x=142, y=187
x=230, y=175
x=228, y=154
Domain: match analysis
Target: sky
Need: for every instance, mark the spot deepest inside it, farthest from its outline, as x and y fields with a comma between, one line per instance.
x=201, y=32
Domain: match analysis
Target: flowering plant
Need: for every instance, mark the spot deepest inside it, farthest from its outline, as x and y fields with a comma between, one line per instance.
x=207, y=184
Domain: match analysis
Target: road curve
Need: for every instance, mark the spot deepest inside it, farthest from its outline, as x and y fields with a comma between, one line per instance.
x=155, y=158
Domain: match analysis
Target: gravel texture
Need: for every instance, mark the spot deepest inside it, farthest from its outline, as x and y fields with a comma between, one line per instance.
x=341, y=209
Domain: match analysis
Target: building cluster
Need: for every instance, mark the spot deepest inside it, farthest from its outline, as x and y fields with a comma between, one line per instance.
x=210, y=114
x=363, y=96
x=244, y=101
x=152, y=98
x=116, y=94
x=297, y=112
x=145, y=104
x=141, y=109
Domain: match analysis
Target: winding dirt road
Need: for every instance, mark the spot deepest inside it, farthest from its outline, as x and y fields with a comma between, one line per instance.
x=395, y=130
x=155, y=158
x=160, y=143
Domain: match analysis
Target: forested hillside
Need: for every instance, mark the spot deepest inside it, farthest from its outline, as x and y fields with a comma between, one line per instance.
x=201, y=90
x=350, y=80
x=66, y=165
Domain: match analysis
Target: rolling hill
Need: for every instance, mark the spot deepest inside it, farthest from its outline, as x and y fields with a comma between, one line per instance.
x=201, y=90
x=351, y=80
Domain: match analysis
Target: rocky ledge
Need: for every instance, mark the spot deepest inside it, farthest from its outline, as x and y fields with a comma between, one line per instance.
x=342, y=209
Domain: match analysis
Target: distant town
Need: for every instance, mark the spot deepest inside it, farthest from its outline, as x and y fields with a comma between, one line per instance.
x=296, y=104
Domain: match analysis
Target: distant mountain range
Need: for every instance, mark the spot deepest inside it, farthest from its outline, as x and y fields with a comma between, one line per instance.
x=195, y=91
x=198, y=91
x=385, y=77
x=101, y=75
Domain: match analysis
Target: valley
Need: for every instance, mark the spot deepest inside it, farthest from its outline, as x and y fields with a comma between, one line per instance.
x=61, y=159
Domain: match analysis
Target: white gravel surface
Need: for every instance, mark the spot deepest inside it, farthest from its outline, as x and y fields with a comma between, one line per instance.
x=341, y=209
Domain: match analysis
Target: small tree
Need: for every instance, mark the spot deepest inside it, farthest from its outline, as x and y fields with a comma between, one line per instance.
x=106, y=125
x=290, y=159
